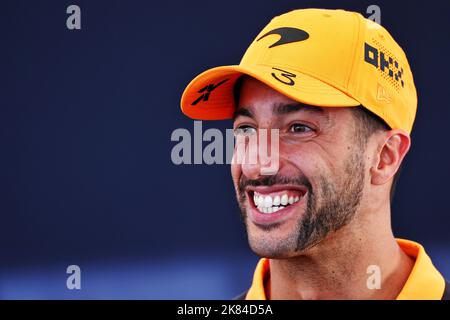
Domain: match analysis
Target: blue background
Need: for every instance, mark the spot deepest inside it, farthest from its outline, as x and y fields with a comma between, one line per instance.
x=85, y=123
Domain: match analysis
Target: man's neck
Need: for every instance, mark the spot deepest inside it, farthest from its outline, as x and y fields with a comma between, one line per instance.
x=340, y=266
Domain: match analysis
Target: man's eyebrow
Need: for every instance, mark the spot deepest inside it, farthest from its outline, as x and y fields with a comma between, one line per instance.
x=282, y=109
x=244, y=112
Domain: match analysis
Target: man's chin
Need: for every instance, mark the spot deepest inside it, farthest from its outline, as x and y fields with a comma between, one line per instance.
x=274, y=235
x=280, y=242
x=273, y=253
x=274, y=246
x=284, y=249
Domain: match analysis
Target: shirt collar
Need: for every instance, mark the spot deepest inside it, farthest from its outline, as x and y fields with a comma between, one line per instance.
x=424, y=282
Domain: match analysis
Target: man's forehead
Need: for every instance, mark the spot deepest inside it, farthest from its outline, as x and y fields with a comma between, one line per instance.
x=253, y=95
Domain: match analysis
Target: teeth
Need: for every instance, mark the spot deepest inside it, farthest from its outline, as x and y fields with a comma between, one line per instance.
x=276, y=201
x=267, y=204
x=261, y=201
x=268, y=201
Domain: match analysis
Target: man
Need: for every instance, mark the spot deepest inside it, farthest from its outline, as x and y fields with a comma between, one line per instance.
x=340, y=92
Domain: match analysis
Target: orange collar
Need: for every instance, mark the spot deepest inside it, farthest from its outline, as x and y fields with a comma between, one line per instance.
x=424, y=283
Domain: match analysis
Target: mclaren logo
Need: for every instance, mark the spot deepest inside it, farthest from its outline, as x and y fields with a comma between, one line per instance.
x=287, y=35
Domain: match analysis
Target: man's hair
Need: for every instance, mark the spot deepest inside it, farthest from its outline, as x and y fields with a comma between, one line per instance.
x=367, y=122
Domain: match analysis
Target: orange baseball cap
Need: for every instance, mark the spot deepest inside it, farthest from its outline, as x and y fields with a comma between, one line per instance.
x=326, y=58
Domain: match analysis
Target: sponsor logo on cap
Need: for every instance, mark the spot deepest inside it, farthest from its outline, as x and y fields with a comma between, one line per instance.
x=206, y=91
x=383, y=95
x=383, y=62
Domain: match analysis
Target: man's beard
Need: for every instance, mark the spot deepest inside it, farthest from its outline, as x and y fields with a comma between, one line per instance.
x=329, y=208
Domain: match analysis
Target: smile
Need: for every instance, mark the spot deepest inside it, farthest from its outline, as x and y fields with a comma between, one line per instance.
x=274, y=204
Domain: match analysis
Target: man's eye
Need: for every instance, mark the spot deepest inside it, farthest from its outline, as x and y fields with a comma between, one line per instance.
x=244, y=130
x=300, y=128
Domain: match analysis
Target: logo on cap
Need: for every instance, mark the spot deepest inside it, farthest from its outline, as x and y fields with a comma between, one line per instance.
x=288, y=76
x=287, y=35
x=382, y=94
x=206, y=91
x=383, y=62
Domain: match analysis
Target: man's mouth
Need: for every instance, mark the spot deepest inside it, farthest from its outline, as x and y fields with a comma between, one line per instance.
x=274, y=204
x=271, y=203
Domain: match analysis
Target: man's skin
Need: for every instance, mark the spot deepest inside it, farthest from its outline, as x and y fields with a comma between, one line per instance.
x=348, y=200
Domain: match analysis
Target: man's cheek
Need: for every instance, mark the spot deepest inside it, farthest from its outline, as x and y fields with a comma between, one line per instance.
x=235, y=173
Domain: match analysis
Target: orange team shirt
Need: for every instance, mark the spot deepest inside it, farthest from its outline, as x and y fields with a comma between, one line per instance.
x=424, y=283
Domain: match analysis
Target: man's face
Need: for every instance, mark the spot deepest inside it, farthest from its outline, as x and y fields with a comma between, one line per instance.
x=319, y=185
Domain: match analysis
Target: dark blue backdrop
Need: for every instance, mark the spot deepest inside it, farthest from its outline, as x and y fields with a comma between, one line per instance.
x=85, y=124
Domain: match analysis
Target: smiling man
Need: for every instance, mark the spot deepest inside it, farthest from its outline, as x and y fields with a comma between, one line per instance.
x=340, y=93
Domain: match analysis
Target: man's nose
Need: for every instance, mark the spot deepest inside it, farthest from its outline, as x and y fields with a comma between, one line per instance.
x=251, y=166
x=261, y=158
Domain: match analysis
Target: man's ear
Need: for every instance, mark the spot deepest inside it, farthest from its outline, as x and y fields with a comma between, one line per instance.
x=395, y=145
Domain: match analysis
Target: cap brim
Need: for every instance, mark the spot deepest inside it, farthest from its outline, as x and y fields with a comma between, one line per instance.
x=210, y=96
